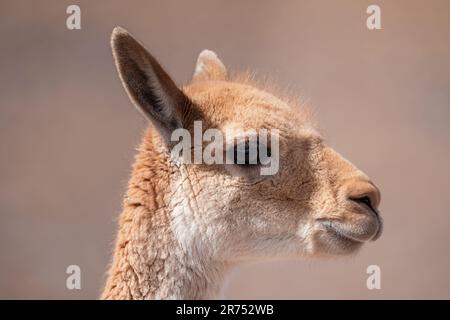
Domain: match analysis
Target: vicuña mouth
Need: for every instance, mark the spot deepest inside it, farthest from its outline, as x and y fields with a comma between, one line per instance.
x=330, y=227
x=349, y=232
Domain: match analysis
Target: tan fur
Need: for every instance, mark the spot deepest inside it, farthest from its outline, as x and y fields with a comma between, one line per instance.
x=183, y=227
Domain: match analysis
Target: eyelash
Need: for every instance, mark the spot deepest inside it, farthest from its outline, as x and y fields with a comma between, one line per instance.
x=247, y=156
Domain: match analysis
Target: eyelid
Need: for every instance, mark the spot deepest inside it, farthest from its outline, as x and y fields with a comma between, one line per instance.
x=241, y=147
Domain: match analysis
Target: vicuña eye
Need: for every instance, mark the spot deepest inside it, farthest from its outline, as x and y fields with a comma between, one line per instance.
x=248, y=154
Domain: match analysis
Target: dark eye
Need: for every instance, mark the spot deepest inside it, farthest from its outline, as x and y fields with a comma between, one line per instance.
x=248, y=155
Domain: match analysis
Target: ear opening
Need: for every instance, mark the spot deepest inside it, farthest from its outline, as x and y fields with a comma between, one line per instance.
x=149, y=87
x=209, y=67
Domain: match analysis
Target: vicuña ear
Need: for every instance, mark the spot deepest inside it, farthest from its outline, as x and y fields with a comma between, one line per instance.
x=148, y=85
x=209, y=67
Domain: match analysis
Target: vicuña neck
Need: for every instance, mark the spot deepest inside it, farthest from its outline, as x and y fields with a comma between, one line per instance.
x=149, y=263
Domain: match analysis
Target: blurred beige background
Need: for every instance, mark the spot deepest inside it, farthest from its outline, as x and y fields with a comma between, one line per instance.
x=68, y=131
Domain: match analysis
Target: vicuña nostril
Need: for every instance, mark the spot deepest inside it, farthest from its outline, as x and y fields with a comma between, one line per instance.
x=363, y=192
x=365, y=200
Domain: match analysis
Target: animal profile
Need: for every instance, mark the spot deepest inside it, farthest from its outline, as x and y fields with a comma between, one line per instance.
x=185, y=225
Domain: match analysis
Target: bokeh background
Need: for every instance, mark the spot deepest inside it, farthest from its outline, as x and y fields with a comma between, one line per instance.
x=68, y=131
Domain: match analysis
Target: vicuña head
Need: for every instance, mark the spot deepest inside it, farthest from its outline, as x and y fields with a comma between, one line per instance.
x=184, y=225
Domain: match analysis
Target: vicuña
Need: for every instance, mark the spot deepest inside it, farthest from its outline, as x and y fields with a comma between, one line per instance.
x=184, y=226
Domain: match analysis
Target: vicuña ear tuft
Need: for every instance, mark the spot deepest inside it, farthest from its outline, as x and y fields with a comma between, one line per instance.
x=209, y=67
x=149, y=87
